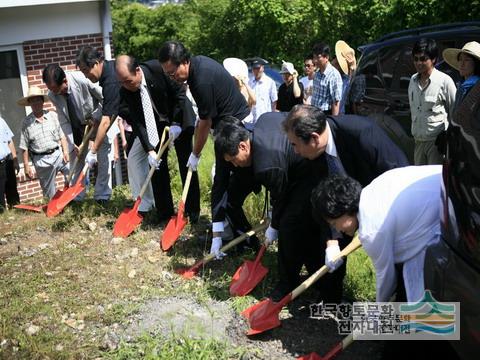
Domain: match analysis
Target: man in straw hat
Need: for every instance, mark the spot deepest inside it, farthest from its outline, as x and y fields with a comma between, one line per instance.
x=42, y=138
x=431, y=94
x=353, y=84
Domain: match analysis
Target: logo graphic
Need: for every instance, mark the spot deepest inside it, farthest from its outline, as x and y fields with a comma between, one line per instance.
x=429, y=316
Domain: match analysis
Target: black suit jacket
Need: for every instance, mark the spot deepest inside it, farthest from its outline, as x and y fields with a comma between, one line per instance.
x=364, y=148
x=168, y=98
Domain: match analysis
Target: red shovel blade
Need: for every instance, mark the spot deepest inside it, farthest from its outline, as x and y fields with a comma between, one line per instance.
x=248, y=275
x=264, y=315
x=36, y=208
x=174, y=228
x=311, y=356
x=55, y=206
x=190, y=272
x=128, y=221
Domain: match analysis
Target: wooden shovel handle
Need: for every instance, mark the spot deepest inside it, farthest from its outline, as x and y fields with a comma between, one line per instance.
x=81, y=150
x=354, y=245
x=262, y=226
x=160, y=152
x=187, y=184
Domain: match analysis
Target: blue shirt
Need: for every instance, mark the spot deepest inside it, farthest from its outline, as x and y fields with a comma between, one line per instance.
x=6, y=136
x=327, y=88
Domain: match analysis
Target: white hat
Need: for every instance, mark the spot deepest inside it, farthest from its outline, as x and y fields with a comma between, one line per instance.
x=287, y=68
x=450, y=55
x=33, y=91
x=236, y=67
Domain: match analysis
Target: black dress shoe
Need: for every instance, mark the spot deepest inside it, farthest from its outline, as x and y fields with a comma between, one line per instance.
x=102, y=202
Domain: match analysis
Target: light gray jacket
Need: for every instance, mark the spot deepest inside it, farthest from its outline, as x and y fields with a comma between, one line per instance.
x=87, y=97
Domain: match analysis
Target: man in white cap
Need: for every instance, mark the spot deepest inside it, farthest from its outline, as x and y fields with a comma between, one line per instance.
x=42, y=138
x=290, y=92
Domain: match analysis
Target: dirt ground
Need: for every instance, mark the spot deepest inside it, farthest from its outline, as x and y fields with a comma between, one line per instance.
x=134, y=276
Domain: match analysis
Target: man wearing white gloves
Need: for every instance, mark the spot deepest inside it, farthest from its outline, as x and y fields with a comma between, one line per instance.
x=345, y=145
x=396, y=216
x=270, y=158
x=156, y=101
x=217, y=98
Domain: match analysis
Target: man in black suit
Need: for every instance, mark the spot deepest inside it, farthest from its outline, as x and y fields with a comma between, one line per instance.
x=268, y=154
x=155, y=101
x=345, y=145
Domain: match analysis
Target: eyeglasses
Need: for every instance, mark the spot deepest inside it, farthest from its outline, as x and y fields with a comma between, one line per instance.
x=308, y=65
x=422, y=58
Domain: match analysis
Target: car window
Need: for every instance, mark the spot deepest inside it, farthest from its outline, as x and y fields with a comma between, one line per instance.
x=368, y=67
x=405, y=69
x=388, y=61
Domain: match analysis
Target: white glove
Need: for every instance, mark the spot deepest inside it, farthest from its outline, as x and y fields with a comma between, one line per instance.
x=330, y=253
x=91, y=159
x=215, y=249
x=153, y=162
x=271, y=235
x=193, y=161
x=174, y=133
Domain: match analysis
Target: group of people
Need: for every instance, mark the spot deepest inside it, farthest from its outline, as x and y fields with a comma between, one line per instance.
x=329, y=174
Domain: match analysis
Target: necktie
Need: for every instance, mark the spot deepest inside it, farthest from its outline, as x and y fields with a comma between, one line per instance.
x=149, y=117
x=335, y=167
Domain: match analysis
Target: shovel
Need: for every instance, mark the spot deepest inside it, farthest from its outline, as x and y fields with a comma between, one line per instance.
x=56, y=205
x=189, y=273
x=332, y=353
x=264, y=315
x=248, y=275
x=177, y=222
x=129, y=219
x=36, y=208
x=41, y=208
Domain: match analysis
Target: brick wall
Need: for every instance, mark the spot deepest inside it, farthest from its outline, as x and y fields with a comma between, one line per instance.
x=38, y=54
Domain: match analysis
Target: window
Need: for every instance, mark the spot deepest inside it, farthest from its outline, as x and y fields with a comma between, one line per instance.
x=12, y=80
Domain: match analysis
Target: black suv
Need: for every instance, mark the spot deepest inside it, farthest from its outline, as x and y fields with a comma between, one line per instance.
x=387, y=67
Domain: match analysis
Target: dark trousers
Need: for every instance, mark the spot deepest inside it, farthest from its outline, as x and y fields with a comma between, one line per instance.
x=161, y=178
x=3, y=179
x=241, y=184
x=11, y=193
x=302, y=241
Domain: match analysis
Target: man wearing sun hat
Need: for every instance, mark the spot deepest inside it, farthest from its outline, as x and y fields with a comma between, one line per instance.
x=43, y=140
x=431, y=94
x=354, y=89
x=290, y=92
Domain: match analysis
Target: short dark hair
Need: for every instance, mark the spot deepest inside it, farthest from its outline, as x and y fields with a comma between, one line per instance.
x=321, y=49
x=427, y=47
x=53, y=72
x=173, y=51
x=308, y=57
x=89, y=56
x=335, y=196
x=303, y=120
x=476, y=62
x=228, y=137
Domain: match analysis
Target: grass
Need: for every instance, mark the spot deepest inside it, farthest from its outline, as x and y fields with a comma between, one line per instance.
x=79, y=287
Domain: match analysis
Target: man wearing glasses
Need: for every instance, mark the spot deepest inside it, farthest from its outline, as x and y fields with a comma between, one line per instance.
x=219, y=101
x=431, y=94
x=307, y=81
